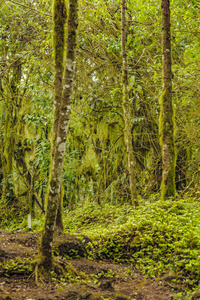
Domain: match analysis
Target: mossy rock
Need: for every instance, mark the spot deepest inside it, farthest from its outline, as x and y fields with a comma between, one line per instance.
x=71, y=246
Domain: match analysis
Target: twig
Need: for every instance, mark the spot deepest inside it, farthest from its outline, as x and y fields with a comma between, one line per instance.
x=24, y=55
x=139, y=58
x=31, y=8
x=2, y=7
x=131, y=21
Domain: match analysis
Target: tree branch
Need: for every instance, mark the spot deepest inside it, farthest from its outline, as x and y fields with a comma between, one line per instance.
x=31, y=8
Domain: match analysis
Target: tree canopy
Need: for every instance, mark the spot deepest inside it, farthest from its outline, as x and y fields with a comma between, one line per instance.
x=95, y=166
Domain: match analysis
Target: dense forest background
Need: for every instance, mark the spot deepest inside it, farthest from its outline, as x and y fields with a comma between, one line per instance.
x=95, y=165
x=117, y=107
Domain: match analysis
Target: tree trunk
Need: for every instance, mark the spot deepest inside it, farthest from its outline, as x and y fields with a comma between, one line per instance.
x=13, y=102
x=62, y=117
x=127, y=112
x=59, y=20
x=59, y=217
x=167, y=123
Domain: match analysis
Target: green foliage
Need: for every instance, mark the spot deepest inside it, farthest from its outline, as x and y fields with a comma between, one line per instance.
x=107, y=274
x=11, y=215
x=90, y=215
x=160, y=237
x=70, y=180
x=96, y=155
x=25, y=106
x=16, y=266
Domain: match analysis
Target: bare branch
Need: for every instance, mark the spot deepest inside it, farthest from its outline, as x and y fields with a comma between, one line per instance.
x=31, y=8
x=147, y=24
x=22, y=56
x=139, y=58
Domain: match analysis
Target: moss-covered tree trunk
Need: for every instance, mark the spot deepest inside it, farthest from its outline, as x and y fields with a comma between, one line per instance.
x=13, y=102
x=127, y=111
x=59, y=217
x=59, y=20
x=63, y=108
x=167, y=123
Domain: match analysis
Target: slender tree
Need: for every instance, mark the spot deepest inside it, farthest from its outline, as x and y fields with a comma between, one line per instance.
x=59, y=20
x=61, y=116
x=13, y=103
x=127, y=111
x=167, y=123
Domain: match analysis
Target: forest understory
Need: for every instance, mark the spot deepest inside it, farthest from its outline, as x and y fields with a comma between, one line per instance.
x=99, y=139
x=94, y=280
x=112, y=252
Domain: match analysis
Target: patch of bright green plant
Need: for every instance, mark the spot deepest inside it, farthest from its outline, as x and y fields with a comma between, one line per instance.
x=158, y=238
x=103, y=274
x=94, y=220
x=63, y=280
x=37, y=224
x=16, y=266
x=73, y=253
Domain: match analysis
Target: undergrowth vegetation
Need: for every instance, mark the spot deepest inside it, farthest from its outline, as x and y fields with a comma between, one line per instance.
x=16, y=266
x=157, y=239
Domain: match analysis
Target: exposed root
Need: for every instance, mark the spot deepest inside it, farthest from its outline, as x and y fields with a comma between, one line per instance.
x=39, y=261
x=57, y=268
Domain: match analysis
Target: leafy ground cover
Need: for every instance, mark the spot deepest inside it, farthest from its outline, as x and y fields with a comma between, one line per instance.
x=157, y=239
x=160, y=241
x=84, y=278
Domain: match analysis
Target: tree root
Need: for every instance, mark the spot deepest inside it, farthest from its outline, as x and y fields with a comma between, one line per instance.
x=39, y=261
x=57, y=268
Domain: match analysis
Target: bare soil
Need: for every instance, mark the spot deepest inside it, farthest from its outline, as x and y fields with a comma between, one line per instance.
x=97, y=280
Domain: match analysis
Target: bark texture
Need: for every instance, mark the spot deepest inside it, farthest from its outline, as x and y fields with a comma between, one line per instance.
x=127, y=112
x=59, y=20
x=61, y=120
x=13, y=104
x=167, y=123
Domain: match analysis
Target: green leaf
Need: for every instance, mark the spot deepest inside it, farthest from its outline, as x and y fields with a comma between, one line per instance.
x=132, y=81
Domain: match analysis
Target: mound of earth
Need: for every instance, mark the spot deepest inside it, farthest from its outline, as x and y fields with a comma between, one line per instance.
x=97, y=280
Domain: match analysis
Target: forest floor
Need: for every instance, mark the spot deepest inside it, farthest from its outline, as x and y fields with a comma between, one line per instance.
x=97, y=280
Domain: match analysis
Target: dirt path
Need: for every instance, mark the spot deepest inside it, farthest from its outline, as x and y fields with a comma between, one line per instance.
x=96, y=281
